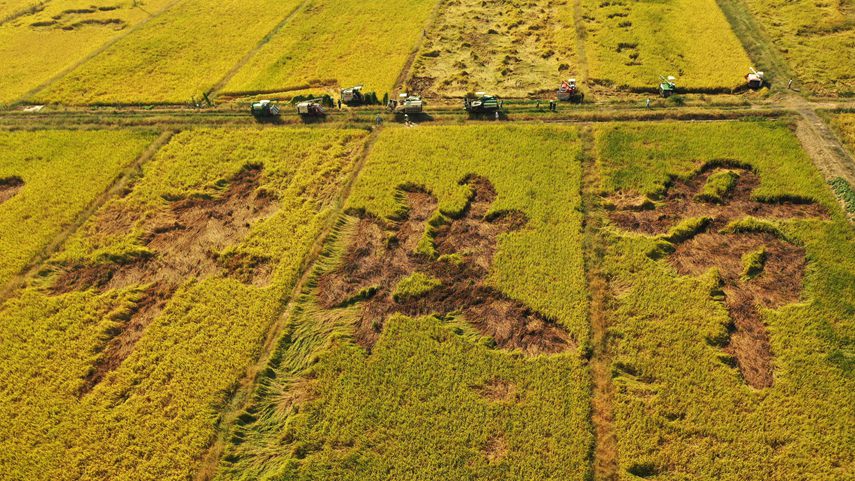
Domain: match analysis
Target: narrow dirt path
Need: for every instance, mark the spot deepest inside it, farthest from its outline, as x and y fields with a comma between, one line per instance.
x=823, y=146
x=121, y=182
x=242, y=396
x=581, y=42
x=605, y=462
x=408, y=65
x=261, y=43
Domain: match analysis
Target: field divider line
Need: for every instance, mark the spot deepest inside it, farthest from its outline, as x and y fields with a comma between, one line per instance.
x=27, y=97
x=121, y=181
x=242, y=396
x=605, y=462
x=824, y=147
x=261, y=43
x=411, y=58
x=581, y=41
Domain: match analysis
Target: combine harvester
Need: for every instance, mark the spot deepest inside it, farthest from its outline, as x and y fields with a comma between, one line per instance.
x=408, y=104
x=310, y=108
x=482, y=103
x=569, y=91
x=755, y=79
x=264, y=109
x=667, y=86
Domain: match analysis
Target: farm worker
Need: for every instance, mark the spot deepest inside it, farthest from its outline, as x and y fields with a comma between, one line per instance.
x=538, y=104
x=407, y=119
x=339, y=104
x=648, y=103
x=497, y=115
x=378, y=119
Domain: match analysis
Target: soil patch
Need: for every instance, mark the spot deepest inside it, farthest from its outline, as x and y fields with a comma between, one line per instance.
x=381, y=255
x=778, y=280
x=9, y=187
x=498, y=390
x=185, y=240
x=496, y=448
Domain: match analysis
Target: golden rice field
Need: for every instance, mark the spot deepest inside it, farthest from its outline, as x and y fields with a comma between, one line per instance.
x=174, y=58
x=631, y=44
x=817, y=39
x=40, y=45
x=328, y=45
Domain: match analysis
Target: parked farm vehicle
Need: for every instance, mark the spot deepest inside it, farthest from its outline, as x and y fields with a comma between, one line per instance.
x=310, y=108
x=569, y=91
x=407, y=104
x=755, y=79
x=482, y=103
x=265, y=108
x=352, y=96
x=668, y=86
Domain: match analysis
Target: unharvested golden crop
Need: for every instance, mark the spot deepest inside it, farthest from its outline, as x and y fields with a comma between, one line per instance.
x=630, y=44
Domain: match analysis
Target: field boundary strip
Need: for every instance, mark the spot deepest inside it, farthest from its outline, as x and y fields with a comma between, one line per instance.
x=39, y=88
x=581, y=42
x=824, y=147
x=605, y=453
x=242, y=396
x=120, y=182
x=254, y=51
x=404, y=76
x=755, y=41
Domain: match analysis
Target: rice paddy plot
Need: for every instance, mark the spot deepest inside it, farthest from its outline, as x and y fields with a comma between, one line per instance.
x=443, y=331
x=47, y=179
x=630, y=44
x=730, y=299
x=42, y=42
x=510, y=48
x=175, y=58
x=120, y=357
x=329, y=45
x=816, y=38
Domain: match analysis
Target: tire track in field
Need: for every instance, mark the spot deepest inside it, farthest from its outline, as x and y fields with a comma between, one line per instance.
x=605, y=462
x=242, y=396
x=27, y=97
x=252, y=53
x=581, y=42
x=119, y=183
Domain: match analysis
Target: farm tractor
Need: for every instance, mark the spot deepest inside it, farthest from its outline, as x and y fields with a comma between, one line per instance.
x=310, y=108
x=407, y=104
x=667, y=86
x=481, y=103
x=264, y=109
x=569, y=91
x=755, y=79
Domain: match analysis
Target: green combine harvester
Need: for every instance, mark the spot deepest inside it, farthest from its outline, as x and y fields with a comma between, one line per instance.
x=265, y=108
x=482, y=103
x=668, y=86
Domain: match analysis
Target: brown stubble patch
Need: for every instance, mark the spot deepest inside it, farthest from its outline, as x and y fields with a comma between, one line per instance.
x=780, y=281
x=185, y=240
x=380, y=254
x=9, y=186
x=498, y=390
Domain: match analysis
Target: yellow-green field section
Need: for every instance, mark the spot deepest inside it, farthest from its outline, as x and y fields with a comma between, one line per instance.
x=155, y=412
x=58, y=174
x=629, y=44
x=174, y=58
x=418, y=404
x=515, y=48
x=816, y=38
x=37, y=46
x=336, y=44
x=681, y=409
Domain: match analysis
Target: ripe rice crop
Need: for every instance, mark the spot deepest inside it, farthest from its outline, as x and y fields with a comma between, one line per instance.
x=59, y=174
x=630, y=44
x=41, y=44
x=175, y=57
x=816, y=38
x=336, y=44
x=682, y=408
x=118, y=360
x=434, y=397
x=514, y=49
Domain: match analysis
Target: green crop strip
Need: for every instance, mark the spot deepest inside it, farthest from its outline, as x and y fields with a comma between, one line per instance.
x=681, y=409
x=433, y=398
x=153, y=415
